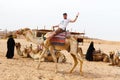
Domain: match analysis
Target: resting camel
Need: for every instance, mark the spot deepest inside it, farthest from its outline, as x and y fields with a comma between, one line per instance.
x=20, y=52
x=28, y=51
x=115, y=58
x=71, y=45
x=34, y=54
x=100, y=56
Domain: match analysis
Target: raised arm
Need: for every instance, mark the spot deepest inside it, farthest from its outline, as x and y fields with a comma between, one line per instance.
x=72, y=21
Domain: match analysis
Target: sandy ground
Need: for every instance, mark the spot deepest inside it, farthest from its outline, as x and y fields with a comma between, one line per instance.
x=25, y=68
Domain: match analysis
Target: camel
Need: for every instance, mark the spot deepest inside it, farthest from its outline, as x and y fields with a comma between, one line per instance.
x=34, y=54
x=23, y=53
x=71, y=45
x=115, y=58
x=100, y=56
x=26, y=52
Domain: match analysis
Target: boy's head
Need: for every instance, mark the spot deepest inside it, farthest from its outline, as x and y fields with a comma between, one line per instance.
x=65, y=15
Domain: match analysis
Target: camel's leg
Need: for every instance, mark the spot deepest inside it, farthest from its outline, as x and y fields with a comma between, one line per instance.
x=52, y=52
x=81, y=63
x=75, y=62
x=41, y=56
x=81, y=52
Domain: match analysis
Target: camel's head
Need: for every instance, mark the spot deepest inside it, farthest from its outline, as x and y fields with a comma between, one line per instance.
x=112, y=53
x=18, y=45
x=22, y=31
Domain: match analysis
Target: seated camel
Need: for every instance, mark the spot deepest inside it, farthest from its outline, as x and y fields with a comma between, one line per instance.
x=24, y=52
x=34, y=54
x=100, y=56
x=115, y=58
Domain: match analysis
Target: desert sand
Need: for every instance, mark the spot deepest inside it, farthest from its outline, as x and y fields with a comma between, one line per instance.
x=25, y=68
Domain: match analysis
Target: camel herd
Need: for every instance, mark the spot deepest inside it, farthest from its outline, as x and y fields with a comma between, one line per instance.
x=45, y=50
x=28, y=52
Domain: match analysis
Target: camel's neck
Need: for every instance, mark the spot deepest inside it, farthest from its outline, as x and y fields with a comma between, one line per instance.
x=73, y=45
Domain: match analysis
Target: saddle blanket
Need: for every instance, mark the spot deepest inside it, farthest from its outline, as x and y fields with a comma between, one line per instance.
x=60, y=38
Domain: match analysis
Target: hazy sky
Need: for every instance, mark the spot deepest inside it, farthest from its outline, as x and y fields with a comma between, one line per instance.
x=99, y=18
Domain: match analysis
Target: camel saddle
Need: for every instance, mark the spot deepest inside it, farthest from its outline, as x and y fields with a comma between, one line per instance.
x=59, y=39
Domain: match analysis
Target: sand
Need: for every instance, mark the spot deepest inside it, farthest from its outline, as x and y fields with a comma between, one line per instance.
x=25, y=68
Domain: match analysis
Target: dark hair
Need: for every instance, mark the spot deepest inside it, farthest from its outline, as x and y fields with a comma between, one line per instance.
x=64, y=13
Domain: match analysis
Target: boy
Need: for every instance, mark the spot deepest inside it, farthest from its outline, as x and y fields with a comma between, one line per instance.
x=63, y=24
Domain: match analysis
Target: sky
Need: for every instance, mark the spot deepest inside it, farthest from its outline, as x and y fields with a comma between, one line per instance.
x=98, y=18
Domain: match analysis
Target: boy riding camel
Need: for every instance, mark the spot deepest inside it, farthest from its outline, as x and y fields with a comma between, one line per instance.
x=63, y=24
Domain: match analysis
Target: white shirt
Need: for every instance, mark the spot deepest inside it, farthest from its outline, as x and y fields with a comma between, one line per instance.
x=63, y=24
